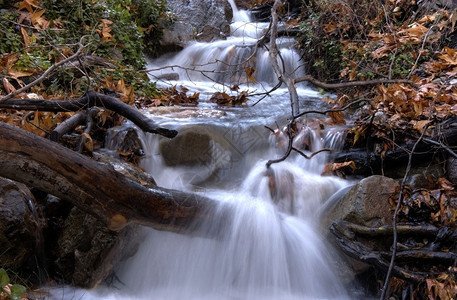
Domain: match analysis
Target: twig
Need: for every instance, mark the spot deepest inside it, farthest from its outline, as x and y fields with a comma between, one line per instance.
x=312, y=154
x=289, y=148
x=333, y=86
x=430, y=141
x=44, y=75
x=394, y=218
x=291, y=138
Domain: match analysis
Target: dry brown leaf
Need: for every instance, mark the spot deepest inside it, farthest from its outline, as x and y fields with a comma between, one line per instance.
x=420, y=125
x=25, y=36
x=87, y=142
x=28, y=5
x=9, y=88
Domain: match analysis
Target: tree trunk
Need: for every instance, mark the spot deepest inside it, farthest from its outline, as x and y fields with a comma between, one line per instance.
x=95, y=187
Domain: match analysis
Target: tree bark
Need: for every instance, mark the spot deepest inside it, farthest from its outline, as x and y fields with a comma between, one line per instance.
x=95, y=187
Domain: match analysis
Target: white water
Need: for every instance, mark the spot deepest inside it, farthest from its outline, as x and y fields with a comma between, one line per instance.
x=268, y=246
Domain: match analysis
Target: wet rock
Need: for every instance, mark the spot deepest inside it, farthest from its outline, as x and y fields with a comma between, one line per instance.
x=424, y=177
x=194, y=145
x=366, y=203
x=87, y=250
x=206, y=20
x=175, y=37
x=206, y=152
x=126, y=142
x=207, y=33
x=168, y=76
x=19, y=224
x=452, y=169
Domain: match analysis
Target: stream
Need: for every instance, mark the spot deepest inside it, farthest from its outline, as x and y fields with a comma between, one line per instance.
x=272, y=247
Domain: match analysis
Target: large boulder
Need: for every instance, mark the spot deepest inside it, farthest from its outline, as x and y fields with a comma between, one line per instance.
x=366, y=203
x=211, y=154
x=201, y=20
x=204, y=151
x=20, y=224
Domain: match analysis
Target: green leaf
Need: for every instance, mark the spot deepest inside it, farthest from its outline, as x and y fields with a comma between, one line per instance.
x=4, y=279
x=17, y=291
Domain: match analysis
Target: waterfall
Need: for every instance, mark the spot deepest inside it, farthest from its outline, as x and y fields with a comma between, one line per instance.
x=227, y=61
x=268, y=246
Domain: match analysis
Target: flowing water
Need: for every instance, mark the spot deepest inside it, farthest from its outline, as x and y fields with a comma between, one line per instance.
x=270, y=247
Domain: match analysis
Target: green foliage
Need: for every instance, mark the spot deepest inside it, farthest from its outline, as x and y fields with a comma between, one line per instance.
x=321, y=51
x=10, y=37
x=120, y=31
x=131, y=21
x=12, y=291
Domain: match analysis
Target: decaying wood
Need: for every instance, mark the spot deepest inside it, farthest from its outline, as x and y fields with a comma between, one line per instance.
x=95, y=187
x=334, y=86
x=68, y=125
x=347, y=233
x=368, y=162
x=349, y=230
x=364, y=254
x=91, y=99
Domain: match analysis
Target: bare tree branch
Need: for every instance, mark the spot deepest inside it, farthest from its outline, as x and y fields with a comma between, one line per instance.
x=394, y=218
x=91, y=99
x=332, y=86
x=274, y=54
x=44, y=75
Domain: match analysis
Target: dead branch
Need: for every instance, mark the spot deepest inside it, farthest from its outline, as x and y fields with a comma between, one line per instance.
x=91, y=99
x=68, y=125
x=350, y=230
x=425, y=254
x=362, y=253
x=394, y=218
x=44, y=75
x=333, y=86
x=274, y=55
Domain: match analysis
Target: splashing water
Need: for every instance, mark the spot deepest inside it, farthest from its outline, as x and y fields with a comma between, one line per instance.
x=267, y=246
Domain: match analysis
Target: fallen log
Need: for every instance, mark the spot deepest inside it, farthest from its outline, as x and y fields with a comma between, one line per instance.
x=90, y=99
x=96, y=187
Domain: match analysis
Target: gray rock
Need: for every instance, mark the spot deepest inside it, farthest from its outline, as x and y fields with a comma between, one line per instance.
x=20, y=224
x=204, y=20
x=366, y=203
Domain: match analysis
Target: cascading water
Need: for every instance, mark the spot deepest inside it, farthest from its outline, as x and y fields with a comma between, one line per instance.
x=267, y=245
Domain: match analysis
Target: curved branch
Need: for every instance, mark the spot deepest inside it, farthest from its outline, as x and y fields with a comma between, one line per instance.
x=332, y=86
x=91, y=99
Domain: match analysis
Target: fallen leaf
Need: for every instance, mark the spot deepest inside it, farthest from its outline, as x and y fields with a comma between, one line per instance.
x=87, y=142
x=9, y=88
